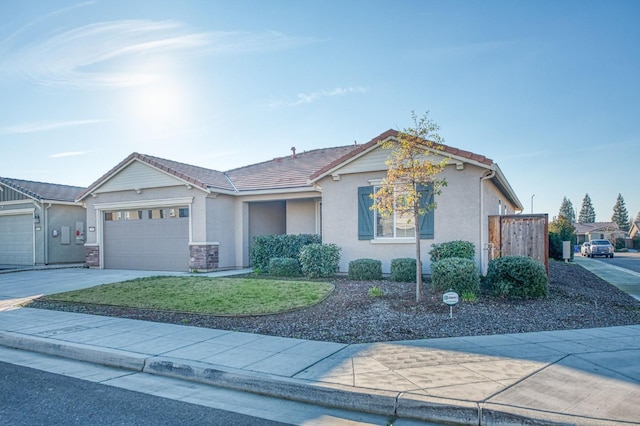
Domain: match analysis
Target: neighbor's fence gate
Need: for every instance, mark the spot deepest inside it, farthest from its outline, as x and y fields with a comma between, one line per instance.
x=520, y=235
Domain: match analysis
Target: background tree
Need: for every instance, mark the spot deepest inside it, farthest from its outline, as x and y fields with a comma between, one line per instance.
x=587, y=213
x=638, y=217
x=566, y=210
x=561, y=229
x=620, y=214
x=414, y=164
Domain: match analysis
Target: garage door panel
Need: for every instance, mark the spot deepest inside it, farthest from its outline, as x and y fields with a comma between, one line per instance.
x=16, y=239
x=159, y=245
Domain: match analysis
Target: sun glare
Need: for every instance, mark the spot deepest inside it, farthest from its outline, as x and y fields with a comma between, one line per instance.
x=159, y=109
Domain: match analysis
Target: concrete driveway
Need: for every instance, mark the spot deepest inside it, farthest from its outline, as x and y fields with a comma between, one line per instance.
x=22, y=286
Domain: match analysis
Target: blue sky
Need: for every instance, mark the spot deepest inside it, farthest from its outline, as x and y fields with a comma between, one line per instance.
x=550, y=90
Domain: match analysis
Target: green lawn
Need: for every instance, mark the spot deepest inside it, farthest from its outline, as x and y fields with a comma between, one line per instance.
x=204, y=295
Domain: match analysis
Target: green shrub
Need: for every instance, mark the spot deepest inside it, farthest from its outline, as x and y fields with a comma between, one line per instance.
x=266, y=247
x=284, y=267
x=319, y=260
x=636, y=243
x=620, y=243
x=517, y=276
x=560, y=229
x=374, y=291
x=365, y=269
x=455, y=273
x=403, y=269
x=461, y=249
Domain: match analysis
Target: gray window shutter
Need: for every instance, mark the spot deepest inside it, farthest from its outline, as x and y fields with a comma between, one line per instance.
x=365, y=214
x=426, y=220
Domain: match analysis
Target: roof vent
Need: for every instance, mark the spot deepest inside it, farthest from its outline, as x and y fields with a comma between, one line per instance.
x=293, y=152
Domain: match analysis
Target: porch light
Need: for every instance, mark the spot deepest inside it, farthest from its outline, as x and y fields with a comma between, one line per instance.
x=36, y=218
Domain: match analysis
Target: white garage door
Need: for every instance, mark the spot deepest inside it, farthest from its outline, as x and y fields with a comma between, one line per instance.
x=16, y=239
x=147, y=239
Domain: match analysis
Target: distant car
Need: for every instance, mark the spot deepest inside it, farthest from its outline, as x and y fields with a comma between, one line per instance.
x=600, y=248
x=584, y=249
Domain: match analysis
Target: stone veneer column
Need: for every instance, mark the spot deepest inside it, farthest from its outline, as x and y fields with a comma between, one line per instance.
x=203, y=257
x=92, y=256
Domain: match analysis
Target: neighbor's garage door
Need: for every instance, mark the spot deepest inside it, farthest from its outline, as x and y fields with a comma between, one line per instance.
x=16, y=239
x=154, y=239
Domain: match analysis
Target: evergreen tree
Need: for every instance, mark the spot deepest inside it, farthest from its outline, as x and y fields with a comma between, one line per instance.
x=587, y=213
x=620, y=214
x=638, y=217
x=566, y=210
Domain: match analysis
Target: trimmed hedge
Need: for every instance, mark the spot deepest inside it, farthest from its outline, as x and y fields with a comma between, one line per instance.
x=266, y=247
x=403, y=269
x=320, y=260
x=284, y=267
x=517, y=276
x=458, y=249
x=365, y=269
x=455, y=273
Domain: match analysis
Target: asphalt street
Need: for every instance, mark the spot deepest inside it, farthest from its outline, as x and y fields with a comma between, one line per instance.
x=34, y=397
x=629, y=261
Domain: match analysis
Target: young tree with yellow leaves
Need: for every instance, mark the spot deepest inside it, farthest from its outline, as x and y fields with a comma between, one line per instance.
x=412, y=180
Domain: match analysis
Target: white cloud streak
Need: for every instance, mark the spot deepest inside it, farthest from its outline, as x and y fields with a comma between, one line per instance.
x=307, y=98
x=45, y=126
x=114, y=54
x=68, y=154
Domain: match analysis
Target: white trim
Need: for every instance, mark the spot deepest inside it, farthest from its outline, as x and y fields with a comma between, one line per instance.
x=16, y=212
x=16, y=202
x=410, y=240
x=163, y=202
x=205, y=243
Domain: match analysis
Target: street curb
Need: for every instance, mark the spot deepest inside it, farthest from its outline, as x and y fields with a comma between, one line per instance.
x=79, y=352
x=372, y=401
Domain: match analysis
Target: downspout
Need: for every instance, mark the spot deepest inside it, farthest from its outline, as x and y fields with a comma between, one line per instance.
x=46, y=234
x=483, y=257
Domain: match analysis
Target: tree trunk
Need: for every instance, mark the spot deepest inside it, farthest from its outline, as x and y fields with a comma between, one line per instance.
x=416, y=218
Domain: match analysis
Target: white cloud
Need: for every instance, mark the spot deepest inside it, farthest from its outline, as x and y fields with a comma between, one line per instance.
x=44, y=126
x=68, y=154
x=119, y=53
x=307, y=98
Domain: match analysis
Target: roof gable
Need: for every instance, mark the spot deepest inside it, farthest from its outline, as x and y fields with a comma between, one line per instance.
x=42, y=191
x=199, y=177
x=393, y=134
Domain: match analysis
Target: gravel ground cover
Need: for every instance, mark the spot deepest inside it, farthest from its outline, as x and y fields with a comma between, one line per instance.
x=577, y=299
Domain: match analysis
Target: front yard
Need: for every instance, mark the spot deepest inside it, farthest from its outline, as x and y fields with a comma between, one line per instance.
x=577, y=299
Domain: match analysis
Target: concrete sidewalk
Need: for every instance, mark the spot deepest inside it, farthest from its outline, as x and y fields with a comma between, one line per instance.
x=589, y=377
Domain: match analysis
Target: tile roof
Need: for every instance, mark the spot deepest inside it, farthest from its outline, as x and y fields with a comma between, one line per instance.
x=292, y=171
x=286, y=172
x=585, y=228
x=43, y=191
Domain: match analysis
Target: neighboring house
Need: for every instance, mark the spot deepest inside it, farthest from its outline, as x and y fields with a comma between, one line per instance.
x=40, y=223
x=634, y=232
x=598, y=231
x=157, y=214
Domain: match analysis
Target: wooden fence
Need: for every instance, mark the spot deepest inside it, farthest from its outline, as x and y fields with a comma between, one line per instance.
x=520, y=235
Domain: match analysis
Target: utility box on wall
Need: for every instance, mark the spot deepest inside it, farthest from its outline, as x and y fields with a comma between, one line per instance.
x=520, y=235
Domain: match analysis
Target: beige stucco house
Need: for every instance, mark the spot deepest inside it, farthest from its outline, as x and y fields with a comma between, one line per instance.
x=40, y=223
x=598, y=231
x=158, y=214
